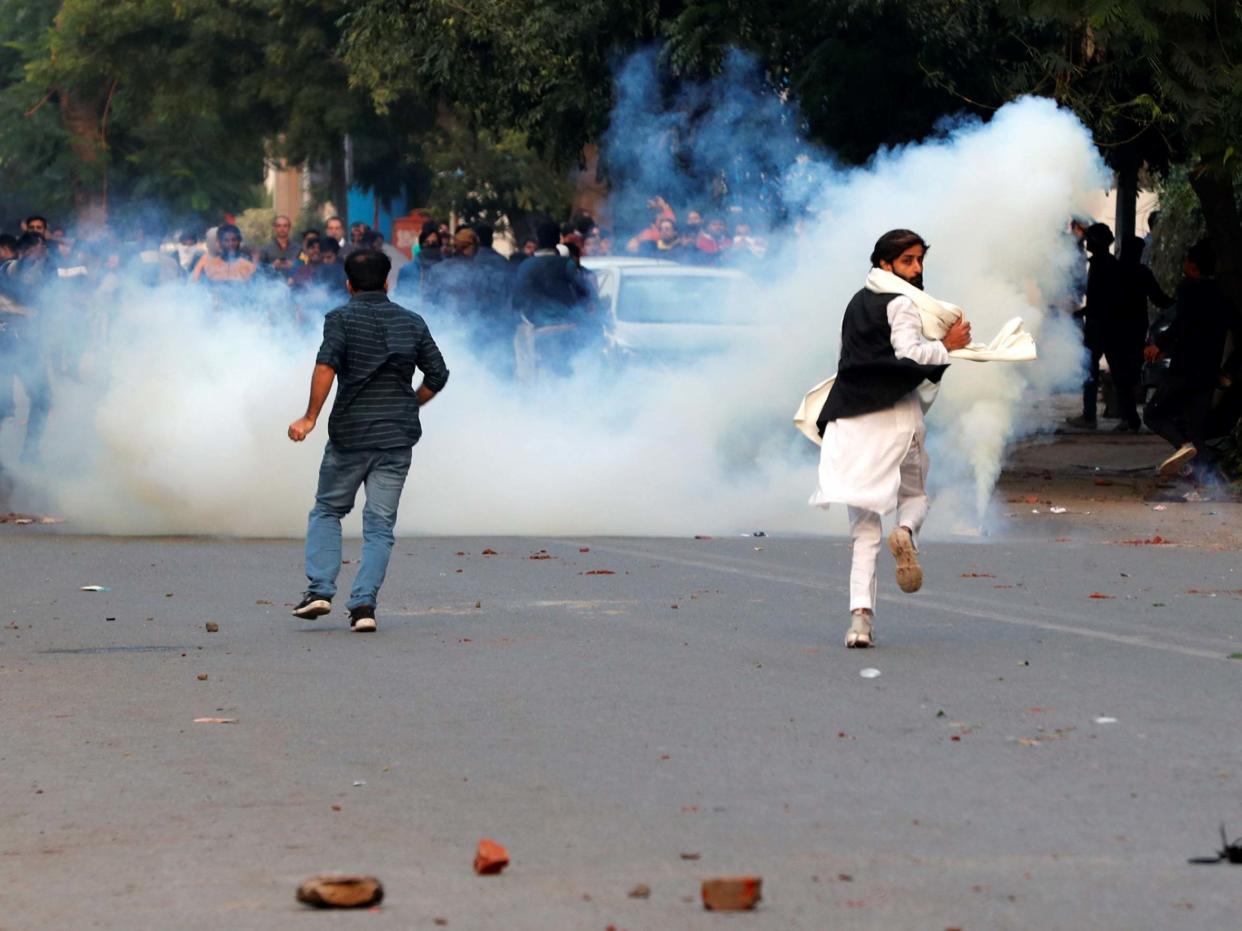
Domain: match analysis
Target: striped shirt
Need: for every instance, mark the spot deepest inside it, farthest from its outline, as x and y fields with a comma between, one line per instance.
x=374, y=346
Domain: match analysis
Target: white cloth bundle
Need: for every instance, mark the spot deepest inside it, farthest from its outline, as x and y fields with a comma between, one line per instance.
x=1011, y=344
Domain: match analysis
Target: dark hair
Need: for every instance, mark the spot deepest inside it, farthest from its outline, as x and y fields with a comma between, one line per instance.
x=358, y=225
x=893, y=243
x=28, y=240
x=428, y=233
x=333, y=217
x=312, y=240
x=547, y=234
x=7, y=241
x=306, y=233
x=583, y=223
x=369, y=237
x=1098, y=236
x=227, y=228
x=328, y=244
x=1203, y=257
x=367, y=269
x=1153, y=218
x=31, y=219
x=568, y=229
x=486, y=233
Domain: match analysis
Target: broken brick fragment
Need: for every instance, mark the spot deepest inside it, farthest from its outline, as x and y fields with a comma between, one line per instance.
x=732, y=893
x=489, y=552
x=490, y=858
x=334, y=891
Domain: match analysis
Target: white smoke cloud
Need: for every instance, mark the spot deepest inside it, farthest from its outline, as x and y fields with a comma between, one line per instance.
x=181, y=428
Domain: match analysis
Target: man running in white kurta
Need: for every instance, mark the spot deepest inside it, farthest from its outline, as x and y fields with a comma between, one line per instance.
x=873, y=457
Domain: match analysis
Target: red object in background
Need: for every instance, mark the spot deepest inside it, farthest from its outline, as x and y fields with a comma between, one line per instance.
x=405, y=231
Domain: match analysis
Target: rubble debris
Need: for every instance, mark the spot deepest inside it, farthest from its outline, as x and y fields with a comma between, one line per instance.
x=599, y=572
x=490, y=858
x=490, y=552
x=1105, y=720
x=341, y=891
x=584, y=549
x=263, y=601
x=691, y=856
x=1228, y=853
x=732, y=894
x=202, y=677
x=869, y=673
x=94, y=588
x=1157, y=540
x=541, y=554
x=215, y=720
x=641, y=891
x=1100, y=596
x=702, y=536
x=977, y=575
x=213, y=627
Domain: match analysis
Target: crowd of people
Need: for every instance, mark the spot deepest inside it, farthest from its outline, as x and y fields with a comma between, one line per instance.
x=542, y=292
x=1171, y=347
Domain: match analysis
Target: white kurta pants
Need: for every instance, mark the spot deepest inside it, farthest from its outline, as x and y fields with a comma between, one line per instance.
x=873, y=464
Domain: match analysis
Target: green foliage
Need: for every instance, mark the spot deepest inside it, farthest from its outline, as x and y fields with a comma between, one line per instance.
x=485, y=175
x=542, y=69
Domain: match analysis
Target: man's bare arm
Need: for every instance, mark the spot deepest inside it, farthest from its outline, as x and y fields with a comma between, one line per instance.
x=321, y=384
x=424, y=395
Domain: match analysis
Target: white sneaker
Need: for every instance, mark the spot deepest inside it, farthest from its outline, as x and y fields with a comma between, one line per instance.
x=861, y=634
x=1174, y=463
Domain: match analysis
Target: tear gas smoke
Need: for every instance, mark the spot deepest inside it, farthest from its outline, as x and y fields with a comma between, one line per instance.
x=179, y=423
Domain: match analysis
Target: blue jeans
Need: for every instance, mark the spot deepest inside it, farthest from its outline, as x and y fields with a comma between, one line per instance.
x=383, y=472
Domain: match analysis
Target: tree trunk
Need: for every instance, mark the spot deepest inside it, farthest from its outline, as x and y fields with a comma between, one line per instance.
x=82, y=116
x=1127, y=199
x=1212, y=183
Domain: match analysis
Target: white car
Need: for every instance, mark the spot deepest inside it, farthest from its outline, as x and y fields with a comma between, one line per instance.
x=656, y=311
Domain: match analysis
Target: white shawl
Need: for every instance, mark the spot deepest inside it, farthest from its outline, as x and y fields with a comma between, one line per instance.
x=1011, y=344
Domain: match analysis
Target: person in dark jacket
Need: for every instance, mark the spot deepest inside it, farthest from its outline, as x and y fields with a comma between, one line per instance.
x=1195, y=343
x=551, y=294
x=1100, y=315
x=371, y=348
x=413, y=275
x=1126, y=336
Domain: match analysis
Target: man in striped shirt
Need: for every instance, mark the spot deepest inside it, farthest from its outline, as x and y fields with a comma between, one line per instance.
x=371, y=347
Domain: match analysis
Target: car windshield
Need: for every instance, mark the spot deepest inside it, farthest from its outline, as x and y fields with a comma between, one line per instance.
x=673, y=298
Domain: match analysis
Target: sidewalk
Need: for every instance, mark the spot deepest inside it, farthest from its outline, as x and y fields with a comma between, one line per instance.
x=1108, y=484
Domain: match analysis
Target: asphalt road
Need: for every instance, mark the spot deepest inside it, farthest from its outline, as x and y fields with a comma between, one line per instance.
x=605, y=726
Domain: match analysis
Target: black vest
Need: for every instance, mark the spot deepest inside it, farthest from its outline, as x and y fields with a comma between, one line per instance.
x=870, y=377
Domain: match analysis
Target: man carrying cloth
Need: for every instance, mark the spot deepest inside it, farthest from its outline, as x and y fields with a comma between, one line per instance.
x=896, y=342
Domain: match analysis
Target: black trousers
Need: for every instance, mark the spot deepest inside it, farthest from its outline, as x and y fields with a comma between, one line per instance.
x=1179, y=410
x=1125, y=364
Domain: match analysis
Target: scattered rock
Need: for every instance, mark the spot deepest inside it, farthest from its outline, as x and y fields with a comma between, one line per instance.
x=599, y=572
x=440, y=921
x=691, y=856
x=1100, y=596
x=202, y=677
x=490, y=858
x=263, y=601
x=732, y=894
x=213, y=627
x=641, y=891
x=334, y=891
x=489, y=552
x=584, y=549
x=215, y=720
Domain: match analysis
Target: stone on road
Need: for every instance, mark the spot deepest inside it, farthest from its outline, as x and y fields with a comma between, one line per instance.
x=601, y=734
